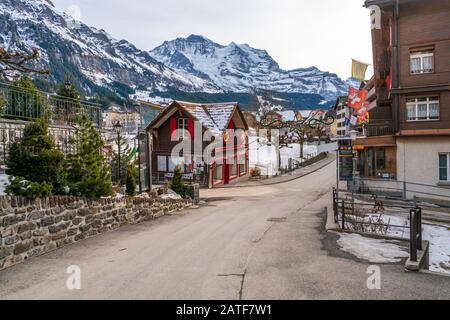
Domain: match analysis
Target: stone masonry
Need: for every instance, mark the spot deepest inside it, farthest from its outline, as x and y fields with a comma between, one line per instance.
x=32, y=228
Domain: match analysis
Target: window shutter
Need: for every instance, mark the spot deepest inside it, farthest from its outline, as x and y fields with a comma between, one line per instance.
x=173, y=127
x=191, y=127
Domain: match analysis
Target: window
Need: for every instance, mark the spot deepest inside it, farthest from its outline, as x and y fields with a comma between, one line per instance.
x=162, y=163
x=422, y=62
x=422, y=109
x=218, y=172
x=444, y=167
x=182, y=125
x=242, y=166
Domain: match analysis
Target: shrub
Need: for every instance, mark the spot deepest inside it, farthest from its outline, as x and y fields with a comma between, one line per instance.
x=131, y=180
x=178, y=185
x=31, y=190
x=255, y=172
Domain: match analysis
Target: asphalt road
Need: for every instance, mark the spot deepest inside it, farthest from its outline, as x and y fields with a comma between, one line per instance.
x=265, y=242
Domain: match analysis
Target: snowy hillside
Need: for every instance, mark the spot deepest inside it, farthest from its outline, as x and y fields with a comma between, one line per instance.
x=240, y=68
x=90, y=56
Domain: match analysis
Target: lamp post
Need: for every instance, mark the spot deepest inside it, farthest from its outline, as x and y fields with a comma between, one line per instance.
x=353, y=137
x=118, y=127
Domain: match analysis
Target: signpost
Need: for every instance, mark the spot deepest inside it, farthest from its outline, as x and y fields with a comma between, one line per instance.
x=346, y=163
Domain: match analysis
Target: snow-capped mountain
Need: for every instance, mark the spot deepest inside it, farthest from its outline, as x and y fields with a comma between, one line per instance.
x=240, y=68
x=70, y=48
x=194, y=68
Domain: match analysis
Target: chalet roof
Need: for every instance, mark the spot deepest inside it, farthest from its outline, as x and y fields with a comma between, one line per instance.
x=213, y=116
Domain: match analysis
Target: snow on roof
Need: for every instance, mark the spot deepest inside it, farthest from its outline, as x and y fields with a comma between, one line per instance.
x=306, y=113
x=288, y=115
x=213, y=116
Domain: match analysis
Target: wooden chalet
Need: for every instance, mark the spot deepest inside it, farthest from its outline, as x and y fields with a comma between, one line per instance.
x=193, y=119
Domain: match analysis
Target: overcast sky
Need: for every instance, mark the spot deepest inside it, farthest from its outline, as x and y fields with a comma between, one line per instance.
x=296, y=33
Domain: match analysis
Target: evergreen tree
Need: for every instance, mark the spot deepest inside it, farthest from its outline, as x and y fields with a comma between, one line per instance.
x=35, y=158
x=178, y=185
x=131, y=180
x=87, y=172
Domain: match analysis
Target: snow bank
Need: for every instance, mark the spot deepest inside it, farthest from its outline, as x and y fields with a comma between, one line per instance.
x=437, y=235
x=373, y=250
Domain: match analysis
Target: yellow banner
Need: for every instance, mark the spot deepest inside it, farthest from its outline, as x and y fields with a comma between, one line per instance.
x=359, y=70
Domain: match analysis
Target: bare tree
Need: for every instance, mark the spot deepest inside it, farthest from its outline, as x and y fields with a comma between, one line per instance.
x=17, y=62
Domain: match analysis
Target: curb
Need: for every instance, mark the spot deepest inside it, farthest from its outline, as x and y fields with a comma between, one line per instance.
x=280, y=182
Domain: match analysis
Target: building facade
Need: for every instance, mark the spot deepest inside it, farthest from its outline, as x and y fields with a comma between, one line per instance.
x=408, y=138
x=210, y=165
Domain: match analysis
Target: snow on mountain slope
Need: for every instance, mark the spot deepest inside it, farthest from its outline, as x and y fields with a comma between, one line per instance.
x=85, y=53
x=240, y=68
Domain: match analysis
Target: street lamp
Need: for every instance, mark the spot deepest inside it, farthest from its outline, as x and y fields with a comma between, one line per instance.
x=118, y=127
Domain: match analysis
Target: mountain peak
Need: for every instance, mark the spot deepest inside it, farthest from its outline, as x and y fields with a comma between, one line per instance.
x=242, y=68
x=196, y=38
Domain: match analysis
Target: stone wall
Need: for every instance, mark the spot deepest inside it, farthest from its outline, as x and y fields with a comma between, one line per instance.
x=31, y=228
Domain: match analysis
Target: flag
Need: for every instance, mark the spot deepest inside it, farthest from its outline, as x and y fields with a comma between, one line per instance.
x=363, y=113
x=359, y=70
x=354, y=121
x=356, y=98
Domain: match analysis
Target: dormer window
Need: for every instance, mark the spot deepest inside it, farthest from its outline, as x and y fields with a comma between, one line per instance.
x=422, y=62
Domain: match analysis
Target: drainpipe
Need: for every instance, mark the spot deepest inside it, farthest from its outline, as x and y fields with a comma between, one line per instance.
x=396, y=79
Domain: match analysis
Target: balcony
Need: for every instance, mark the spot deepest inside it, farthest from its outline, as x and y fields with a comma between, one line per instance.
x=380, y=129
x=26, y=105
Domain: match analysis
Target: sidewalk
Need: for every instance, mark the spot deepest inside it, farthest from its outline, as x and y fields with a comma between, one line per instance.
x=283, y=178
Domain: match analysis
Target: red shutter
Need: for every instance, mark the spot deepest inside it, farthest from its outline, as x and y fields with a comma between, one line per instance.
x=173, y=126
x=191, y=127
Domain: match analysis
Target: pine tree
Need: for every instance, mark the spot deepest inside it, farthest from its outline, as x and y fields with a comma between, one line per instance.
x=87, y=172
x=178, y=185
x=35, y=158
x=131, y=180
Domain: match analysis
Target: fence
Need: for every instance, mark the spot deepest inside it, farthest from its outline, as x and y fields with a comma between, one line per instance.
x=23, y=104
x=402, y=189
x=347, y=214
x=19, y=105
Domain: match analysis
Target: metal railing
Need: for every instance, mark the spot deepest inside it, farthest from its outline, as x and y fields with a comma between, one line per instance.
x=25, y=104
x=401, y=189
x=345, y=212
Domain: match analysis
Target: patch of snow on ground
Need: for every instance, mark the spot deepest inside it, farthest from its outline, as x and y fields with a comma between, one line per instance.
x=373, y=250
x=437, y=235
x=171, y=195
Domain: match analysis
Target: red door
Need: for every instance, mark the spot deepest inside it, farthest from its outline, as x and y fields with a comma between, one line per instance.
x=226, y=174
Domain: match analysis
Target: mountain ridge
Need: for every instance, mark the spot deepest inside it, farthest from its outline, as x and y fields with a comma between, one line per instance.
x=240, y=67
x=103, y=66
